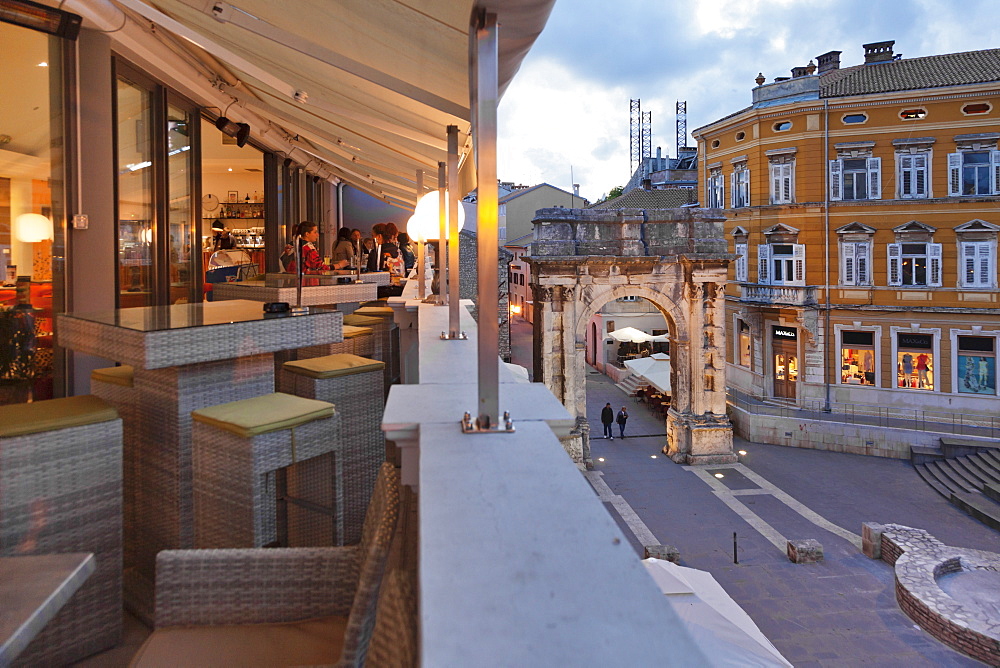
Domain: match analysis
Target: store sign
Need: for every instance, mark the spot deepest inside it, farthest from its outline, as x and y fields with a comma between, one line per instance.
x=921, y=341
x=784, y=333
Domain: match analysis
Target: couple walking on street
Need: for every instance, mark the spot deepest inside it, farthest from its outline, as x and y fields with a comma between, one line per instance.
x=608, y=418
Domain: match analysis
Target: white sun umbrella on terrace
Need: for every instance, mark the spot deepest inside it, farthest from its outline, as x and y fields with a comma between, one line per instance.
x=630, y=334
x=717, y=623
x=654, y=369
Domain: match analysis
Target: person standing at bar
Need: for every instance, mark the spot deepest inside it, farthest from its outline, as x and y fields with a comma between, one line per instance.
x=312, y=263
x=384, y=234
x=344, y=248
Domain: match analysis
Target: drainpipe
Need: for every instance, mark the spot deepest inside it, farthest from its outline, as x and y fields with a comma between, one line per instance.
x=826, y=253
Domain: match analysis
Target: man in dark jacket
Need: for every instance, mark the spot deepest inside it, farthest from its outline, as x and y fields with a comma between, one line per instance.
x=621, y=420
x=608, y=419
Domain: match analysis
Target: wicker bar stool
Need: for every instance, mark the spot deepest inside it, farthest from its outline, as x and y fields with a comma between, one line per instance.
x=357, y=341
x=390, y=341
x=240, y=451
x=354, y=385
x=61, y=491
x=116, y=385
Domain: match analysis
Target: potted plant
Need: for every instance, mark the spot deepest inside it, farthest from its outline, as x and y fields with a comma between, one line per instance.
x=18, y=370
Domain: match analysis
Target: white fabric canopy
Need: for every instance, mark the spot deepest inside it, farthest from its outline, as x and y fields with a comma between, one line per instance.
x=718, y=624
x=654, y=369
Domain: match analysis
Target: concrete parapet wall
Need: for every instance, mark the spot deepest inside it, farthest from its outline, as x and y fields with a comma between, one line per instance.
x=856, y=439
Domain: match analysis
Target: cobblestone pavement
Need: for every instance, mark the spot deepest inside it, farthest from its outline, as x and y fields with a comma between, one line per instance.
x=840, y=612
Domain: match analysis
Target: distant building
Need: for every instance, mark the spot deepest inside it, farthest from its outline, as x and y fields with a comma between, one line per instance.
x=650, y=199
x=661, y=173
x=519, y=279
x=863, y=205
x=518, y=207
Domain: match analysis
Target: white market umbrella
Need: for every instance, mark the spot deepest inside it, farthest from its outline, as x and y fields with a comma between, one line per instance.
x=654, y=369
x=716, y=622
x=630, y=334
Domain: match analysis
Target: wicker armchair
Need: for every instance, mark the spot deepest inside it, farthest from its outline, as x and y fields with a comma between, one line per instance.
x=267, y=607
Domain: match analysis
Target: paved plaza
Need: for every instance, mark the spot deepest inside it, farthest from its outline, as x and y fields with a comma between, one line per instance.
x=841, y=612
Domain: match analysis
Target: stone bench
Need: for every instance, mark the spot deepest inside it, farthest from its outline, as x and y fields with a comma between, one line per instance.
x=804, y=551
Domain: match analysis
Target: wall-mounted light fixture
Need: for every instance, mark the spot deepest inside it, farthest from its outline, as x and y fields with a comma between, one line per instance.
x=240, y=131
x=41, y=18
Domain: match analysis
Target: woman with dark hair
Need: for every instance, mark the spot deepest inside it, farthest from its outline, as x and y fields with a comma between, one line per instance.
x=409, y=258
x=221, y=239
x=312, y=263
x=344, y=248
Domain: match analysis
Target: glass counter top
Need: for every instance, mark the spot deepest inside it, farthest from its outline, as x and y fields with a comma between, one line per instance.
x=181, y=316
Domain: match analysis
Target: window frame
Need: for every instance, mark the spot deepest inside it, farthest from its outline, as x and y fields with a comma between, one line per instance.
x=716, y=189
x=856, y=263
x=957, y=376
x=896, y=259
x=957, y=167
x=912, y=174
x=739, y=187
x=793, y=263
x=782, y=181
x=982, y=251
x=875, y=348
x=873, y=178
x=742, y=250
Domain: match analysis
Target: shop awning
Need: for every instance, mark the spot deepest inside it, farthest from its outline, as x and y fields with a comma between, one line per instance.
x=362, y=90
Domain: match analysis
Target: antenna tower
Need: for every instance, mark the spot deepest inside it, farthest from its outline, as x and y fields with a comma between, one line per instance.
x=682, y=125
x=647, y=134
x=635, y=135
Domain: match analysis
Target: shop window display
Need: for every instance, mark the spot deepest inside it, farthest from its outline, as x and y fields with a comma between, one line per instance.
x=744, y=344
x=915, y=362
x=977, y=365
x=857, y=358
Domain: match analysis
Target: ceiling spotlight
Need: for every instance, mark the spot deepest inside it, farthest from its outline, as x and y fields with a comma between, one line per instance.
x=241, y=131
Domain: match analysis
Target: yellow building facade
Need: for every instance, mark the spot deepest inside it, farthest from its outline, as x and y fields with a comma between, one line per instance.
x=863, y=204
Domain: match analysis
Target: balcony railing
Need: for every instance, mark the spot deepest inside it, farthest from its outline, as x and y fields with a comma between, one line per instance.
x=792, y=295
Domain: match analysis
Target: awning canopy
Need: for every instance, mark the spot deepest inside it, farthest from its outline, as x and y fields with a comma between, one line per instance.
x=654, y=370
x=362, y=90
x=633, y=335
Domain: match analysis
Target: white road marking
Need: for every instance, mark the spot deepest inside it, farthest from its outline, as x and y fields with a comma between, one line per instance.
x=632, y=521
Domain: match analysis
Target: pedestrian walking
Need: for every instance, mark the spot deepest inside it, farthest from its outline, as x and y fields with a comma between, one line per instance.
x=622, y=419
x=608, y=419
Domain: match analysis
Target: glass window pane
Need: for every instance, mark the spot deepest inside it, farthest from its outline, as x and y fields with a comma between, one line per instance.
x=180, y=210
x=135, y=196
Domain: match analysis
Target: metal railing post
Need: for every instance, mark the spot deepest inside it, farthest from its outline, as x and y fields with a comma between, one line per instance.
x=454, y=327
x=421, y=278
x=488, y=225
x=442, y=255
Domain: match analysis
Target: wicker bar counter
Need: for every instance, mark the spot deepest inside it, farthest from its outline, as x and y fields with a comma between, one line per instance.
x=316, y=290
x=186, y=357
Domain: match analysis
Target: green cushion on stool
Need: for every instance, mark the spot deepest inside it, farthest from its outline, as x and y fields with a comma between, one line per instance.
x=331, y=366
x=260, y=415
x=362, y=321
x=352, y=332
x=123, y=375
x=379, y=311
x=52, y=414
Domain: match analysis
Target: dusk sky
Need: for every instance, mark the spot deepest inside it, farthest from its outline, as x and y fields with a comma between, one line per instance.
x=567, y=110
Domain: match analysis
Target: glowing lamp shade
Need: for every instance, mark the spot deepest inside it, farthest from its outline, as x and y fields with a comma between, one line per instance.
x=423, y=225
x=32, y=228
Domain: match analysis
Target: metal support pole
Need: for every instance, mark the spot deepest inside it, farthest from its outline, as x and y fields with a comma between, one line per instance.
x=421, y=284
x=442, y=255
x=488, y=225
x=454, y=328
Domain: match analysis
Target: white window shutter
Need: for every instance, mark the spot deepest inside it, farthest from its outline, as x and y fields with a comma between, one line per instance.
x=720, y=195
x=836, y=180
x=894, y=252
x=799, y=261
x=969, y=266
x=874, y=166
x=995, y=171
x=954, y=174
x=741, y=263
x=732, y=190
x=745, y=186
x=862, y=259
x=988, y=263
x=921, y=184
x=764, y=264
x=775, y=174
x=787, y=183
x=847, y=264
x=905, y=176
x=934, y=262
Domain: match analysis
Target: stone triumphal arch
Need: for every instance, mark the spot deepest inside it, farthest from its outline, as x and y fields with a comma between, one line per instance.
x=677, y=259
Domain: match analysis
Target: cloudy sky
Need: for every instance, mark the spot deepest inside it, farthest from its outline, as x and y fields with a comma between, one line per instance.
x=567, y=110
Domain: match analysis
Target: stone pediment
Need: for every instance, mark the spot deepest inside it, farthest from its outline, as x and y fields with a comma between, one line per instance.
x=914, y=226
x=780, y=228
x=977, y=225
x=855, y=228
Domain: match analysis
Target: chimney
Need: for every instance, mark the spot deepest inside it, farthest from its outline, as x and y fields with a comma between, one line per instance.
x=878, y=52
x=829, y=61
x=799, y=72
x=576, y=189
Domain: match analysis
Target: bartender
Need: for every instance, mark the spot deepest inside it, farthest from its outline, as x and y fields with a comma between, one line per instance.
x=312, y=263
x=222, y=239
